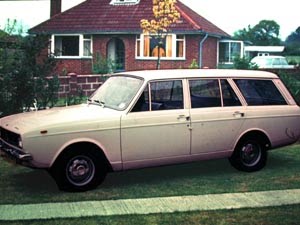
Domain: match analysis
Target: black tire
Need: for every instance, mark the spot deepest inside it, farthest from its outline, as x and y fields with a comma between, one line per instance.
x=249, y=155
x=78, y=170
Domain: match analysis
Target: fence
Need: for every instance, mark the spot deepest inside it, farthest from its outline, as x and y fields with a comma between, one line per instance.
x=74, y=84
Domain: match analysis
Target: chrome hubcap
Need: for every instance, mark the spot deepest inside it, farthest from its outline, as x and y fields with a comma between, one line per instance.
x=251, y=154
x=80, y=170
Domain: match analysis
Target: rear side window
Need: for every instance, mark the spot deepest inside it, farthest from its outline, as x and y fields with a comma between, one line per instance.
x=229, y=97
x=205, y=93
x=260, y=92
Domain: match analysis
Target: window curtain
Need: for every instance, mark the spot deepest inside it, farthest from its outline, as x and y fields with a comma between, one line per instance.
x=179, y=48
x=169, y=45
x=146, y=46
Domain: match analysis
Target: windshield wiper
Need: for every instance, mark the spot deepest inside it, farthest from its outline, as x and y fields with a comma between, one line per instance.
x=102, y=104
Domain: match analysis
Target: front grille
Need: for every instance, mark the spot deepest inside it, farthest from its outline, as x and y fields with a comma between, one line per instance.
x=9, y=137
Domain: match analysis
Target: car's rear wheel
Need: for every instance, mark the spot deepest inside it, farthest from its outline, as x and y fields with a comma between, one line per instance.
x=249, y=155
x=78, y=170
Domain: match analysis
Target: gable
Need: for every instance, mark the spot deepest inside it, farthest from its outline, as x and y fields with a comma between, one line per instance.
x=120, y=16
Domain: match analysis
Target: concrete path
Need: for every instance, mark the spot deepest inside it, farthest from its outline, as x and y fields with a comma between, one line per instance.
x=149, y=205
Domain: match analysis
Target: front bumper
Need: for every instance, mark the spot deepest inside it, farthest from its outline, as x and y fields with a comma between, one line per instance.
x=11, y=153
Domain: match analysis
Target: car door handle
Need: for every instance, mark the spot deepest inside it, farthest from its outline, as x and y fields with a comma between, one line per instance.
x=180, y=117
x=238, y=114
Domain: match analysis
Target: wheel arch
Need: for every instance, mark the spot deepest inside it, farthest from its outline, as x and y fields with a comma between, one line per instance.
x=90, y=145
x=257, y=135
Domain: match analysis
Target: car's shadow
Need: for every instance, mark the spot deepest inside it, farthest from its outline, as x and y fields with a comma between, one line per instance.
x=35, y=181
x=39, y=181
x=203, y=170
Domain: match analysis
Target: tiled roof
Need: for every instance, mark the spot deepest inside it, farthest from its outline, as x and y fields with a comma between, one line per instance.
x=98, y=16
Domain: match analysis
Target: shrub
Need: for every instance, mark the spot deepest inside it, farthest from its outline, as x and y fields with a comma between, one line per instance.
x=243, y=63
x=103, y=65
x=23, y=79
x=292, y=83
x=194, y=65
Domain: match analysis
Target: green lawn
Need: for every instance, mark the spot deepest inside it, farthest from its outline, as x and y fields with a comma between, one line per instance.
x=23, y=185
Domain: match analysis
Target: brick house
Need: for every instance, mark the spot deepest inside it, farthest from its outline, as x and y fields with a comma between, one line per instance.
x=110, y=29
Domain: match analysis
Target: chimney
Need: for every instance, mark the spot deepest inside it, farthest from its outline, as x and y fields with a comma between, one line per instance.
x=55, y=7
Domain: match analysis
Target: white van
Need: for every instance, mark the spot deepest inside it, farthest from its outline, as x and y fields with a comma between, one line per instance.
x=151, y=118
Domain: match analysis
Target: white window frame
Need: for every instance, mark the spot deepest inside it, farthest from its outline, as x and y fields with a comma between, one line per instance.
x=81, y=46
x=230, y=53
x=140, y=41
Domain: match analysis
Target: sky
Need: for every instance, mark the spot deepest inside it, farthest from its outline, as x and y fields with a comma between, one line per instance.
x=229, y=15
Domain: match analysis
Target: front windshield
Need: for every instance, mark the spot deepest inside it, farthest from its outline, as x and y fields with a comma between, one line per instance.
x=117, y=92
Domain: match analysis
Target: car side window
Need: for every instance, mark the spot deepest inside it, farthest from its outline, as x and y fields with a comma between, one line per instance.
x=260, y=92
x=205, y=93
x=277, y=62
x=229, y=96
x=165, y=95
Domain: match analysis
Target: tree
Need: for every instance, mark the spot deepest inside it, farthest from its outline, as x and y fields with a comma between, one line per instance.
x=23, y=78
x=294, y=37
x=265, y=33
x=165, y=14
x=292, y=43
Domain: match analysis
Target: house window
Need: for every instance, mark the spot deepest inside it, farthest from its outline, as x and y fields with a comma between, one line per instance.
x=228, y=50
x=87, y=45
x=179, y=46
x=171, y=47
x=72, y=45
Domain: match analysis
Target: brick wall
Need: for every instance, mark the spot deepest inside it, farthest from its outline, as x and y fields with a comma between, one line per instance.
x=79, y=71
x=78, y=66
x=100, y=42
x=192, y=52
x=210, y=53
x=73, y=84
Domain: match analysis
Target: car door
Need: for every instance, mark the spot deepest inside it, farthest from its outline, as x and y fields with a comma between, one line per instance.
x=157, y=128
x=216, y=115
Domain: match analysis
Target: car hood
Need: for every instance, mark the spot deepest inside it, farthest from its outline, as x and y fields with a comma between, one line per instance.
x=58, y=118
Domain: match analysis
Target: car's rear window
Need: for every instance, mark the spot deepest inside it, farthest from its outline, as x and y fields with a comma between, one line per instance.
x=260, y=92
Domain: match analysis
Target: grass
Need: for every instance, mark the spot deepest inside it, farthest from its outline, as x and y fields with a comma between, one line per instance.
x=285, y=215
x=21, y=185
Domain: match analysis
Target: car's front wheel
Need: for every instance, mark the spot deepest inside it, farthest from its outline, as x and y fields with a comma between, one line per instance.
x=78, y=170
x=249, y=155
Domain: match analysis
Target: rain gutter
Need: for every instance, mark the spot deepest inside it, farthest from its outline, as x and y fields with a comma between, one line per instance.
x=201, y=49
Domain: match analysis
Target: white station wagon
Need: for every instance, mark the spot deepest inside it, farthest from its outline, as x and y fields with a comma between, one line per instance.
x=151, y=118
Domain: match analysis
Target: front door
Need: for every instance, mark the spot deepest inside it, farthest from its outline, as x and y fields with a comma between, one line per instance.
x=116, y=54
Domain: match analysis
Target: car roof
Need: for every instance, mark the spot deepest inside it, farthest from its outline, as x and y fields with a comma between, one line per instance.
x=201, y=73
